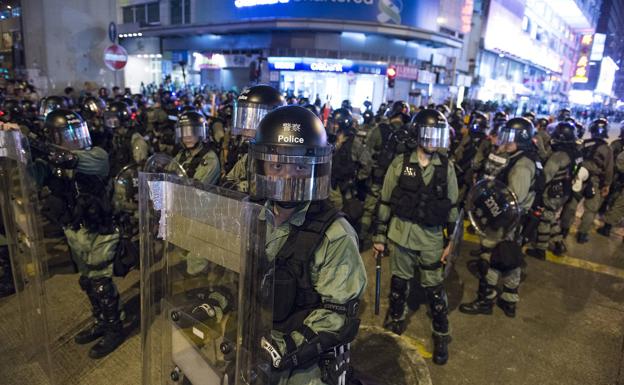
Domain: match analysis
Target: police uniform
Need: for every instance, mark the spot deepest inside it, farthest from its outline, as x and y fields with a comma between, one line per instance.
x=86, y=215
x=384, y=142
x=598, y=160
x=200, y=163
x=337, y=277
x=417, y=202
x=542, y=142
x=237, y=177
x=501, y=259
x=352, y=162
x=319, y=274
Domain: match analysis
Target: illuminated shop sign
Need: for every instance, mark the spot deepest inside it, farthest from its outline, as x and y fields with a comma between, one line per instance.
x=582, y=64
x=325, y=65
x=253, y=3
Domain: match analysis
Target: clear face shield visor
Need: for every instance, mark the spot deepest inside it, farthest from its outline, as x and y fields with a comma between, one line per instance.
x=289, y=178
x=246, y=118
x=75, y=136
x=505, y=136
x=434, y=138
x=190, y=133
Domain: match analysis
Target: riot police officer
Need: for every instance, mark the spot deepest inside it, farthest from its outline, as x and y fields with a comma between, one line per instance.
x=250, y=107
x=559, y=172
x=351, y=165
x=515, y=165
x=77, y=175
x=418, y=200
x=464, y=155
x=598, y=160
x=542, y=139
x=197, y=156
x=321, y=273
x=129, y=145
x=385, y=141
x=92, y=110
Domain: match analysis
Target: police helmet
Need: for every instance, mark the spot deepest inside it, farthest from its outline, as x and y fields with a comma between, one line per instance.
x=342, y=120
x=251, y=106
x=30, y=108
x=398, y=108
x=291, y=158
x=478, y=123
x=444, y=109
x=564, y=133
x=116, y=115
x=92, y=106
x=563, y=114
x=431, y=129
x=346, y=104
x=12, y=108
x=542, y=123
x=517, y=130
x=51, y=103
x=67, y=129
x=529, y=115
x=599, y=128
x=191, y=126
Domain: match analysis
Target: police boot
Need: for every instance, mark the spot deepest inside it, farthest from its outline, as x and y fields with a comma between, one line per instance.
x=95, y=330
x=605, y=230
x=481, y=305
x=395, y=318
x=559, y=248
x=565, y=232
x=440, y=349
x=509, y=308
x=582, y=237
x=108, y=297
x=536, y=253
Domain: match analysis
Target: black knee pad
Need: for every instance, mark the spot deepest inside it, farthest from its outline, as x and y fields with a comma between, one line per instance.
x=106, y=291
x=398, y=295
x=436, y=296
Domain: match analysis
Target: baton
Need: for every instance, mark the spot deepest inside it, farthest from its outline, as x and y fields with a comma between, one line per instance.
x=377, y=280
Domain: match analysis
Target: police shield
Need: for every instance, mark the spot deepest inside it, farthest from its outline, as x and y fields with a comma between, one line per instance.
x=207, y=289
x=27, y=255
x=163, y=164
x=493, y=209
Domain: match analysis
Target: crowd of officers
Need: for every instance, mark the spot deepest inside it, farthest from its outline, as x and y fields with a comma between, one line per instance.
x=399, y=176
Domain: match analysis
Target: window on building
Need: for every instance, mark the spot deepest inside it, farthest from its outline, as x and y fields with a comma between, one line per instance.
x=146, y=13
x=180, y=11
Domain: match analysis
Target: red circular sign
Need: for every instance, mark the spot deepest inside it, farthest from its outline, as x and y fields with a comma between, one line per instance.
x=115, y=57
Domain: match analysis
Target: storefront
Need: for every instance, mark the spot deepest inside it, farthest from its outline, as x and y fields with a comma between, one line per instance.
x=330, y=80
x=336, y=50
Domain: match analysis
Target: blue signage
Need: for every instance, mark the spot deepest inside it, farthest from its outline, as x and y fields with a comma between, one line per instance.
x=325, y=65
x=411, y=13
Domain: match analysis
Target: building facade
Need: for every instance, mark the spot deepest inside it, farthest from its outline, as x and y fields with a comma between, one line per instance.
x=333, y=50
x=527, y=50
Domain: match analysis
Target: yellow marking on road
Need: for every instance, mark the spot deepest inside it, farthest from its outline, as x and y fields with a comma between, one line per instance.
x=415, y=344
x=565, y=260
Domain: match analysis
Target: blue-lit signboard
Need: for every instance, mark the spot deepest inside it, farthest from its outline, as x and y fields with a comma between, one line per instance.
x=410, y=13
x=325, y=65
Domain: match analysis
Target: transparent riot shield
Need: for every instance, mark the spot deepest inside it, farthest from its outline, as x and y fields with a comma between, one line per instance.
x=493, y=209
x=163, y=164
x=27, y=255
x=455, y=240
x=207, y=291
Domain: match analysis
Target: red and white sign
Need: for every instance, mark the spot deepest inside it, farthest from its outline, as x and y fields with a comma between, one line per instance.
x=115, y=57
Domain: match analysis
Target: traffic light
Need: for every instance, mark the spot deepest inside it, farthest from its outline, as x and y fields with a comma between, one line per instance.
x=391, y=73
